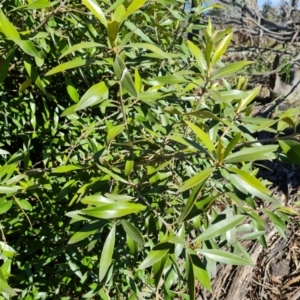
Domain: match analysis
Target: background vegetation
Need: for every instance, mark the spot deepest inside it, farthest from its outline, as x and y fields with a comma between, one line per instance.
x=129, y=155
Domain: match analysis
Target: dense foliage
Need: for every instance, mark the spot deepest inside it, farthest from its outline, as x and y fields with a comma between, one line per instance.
x=127, y=152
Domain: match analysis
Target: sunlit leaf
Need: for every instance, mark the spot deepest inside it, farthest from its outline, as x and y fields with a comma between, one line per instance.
x=107, y=253
x=93, y=6
x=133, y=232
x=196, y=179
x=92, y=95
x=80, y=46
x=114, y=210
x=219, y=228
x=77, y=62
x=225, y=257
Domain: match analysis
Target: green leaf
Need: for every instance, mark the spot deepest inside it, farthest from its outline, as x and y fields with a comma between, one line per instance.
x=80, y=46
x=114, y=210
x=246, y=101
x=221, y=49
x=4, y=207
x=32, y=72
x=5, y=65
x=252, y=154
x=134, y=29
x=134, y=6
x=129, y=167
x=8, y=29
x=198, y=55
x=196, y=179
x=202, y=136
x=199, y=270
x=38, y=4
x=28, y=47
x=113, y=29
x=69, y=111
x=292, y=150
x=253, y=181
x=107, y=253
x=153, y=257
x=220, y=228
x=93, y=6
x=225, y=257
x=159, y=53
x=243, y=186
x=113, y=175
x=236, y=138
x=252, y=235
x=67, y=168
x=92, y=96
x=191, y=201
x=72, y=90
x=113, y=132
x=77, y=62
x=158, y=269
x=230, y=69
x=124, y=77
x=133, y=232
x=190, y=277
x=24, y=204
x=9, y=189
x=5, y=288
x=171, y=79
x=80, y=235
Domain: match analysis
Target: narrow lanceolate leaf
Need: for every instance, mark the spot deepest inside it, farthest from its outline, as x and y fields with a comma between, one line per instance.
x=113, y=132
x=225, y=257
x=93, y=6
x=247, y=100
x=253, y=181
x=9, y=189
x=124, y=77
x=153, y=257
x=220, y=228
x=202, y=136
x=221, y=49
x=252, y=154
x=33, y=73
x=5, y=288
x=134, y=29
x=230, y=69
x=133, y=232
x=243, y=186
x=198, y=55
x=200, y=272
x=159, y=53
x=114, y=210
x=92, y=96
x=67, y=168
x=170, y=79
x=107, y=253
x=190, y=277
x=8, y=29
x=191, y=201
x=4, y=207
x=78, y=62
x=196, y=179
x=80, y=46
x=5, y=65
x=134, y=6
x=39, y=4
x=80, y=235
x=292, y=150
x=236, y=138
x=28, y=47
